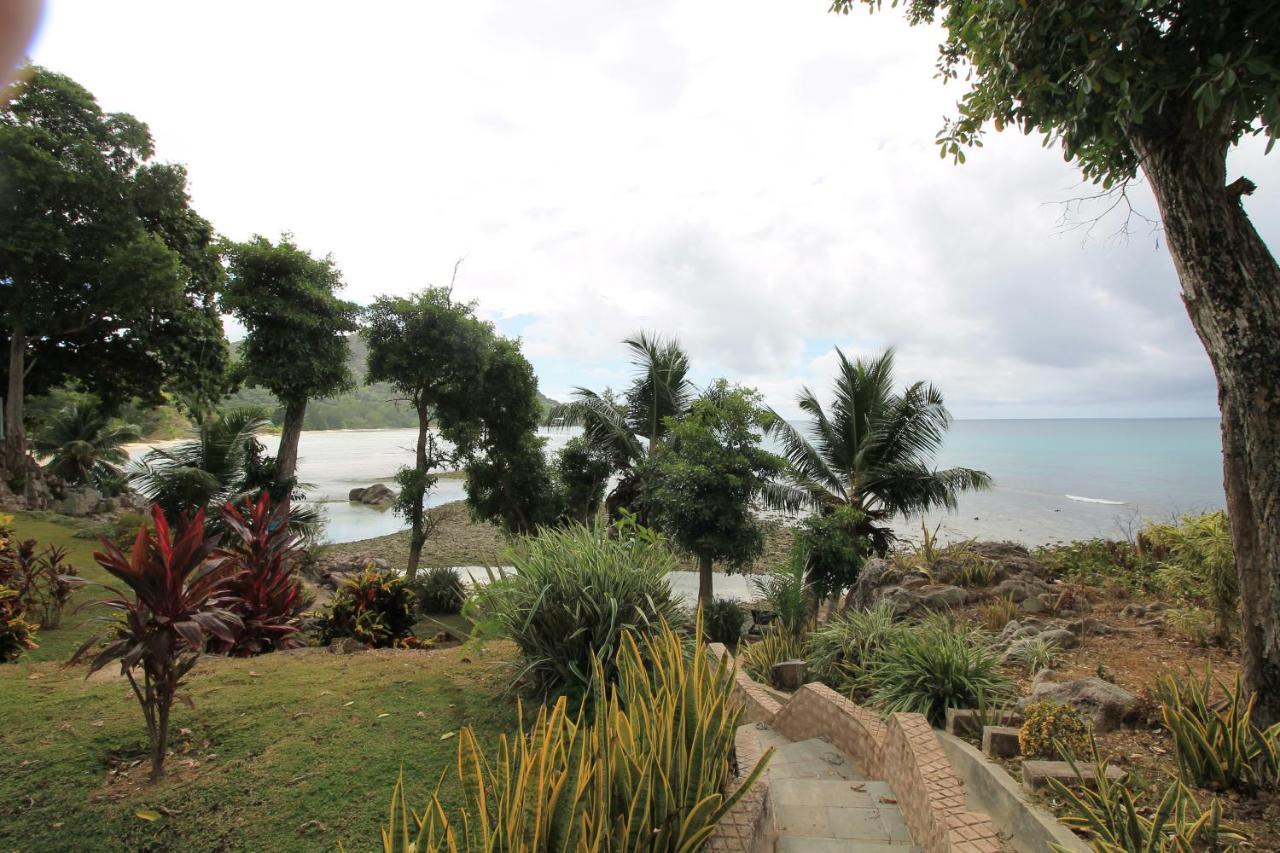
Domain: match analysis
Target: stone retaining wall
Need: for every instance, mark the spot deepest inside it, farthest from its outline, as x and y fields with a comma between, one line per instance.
x=745, y=829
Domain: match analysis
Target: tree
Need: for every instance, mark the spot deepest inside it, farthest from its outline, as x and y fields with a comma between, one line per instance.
x=296, y=345
x=106, y=274
x=1166, y=89
x=699, y=484
x=627, y=431
x=871, y=456
x=433, y=351
x=85, y=446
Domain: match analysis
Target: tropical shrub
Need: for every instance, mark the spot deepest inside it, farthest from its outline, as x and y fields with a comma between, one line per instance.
x=439, y=590
x=1051, y=728
x=1100, y=562
x=832, y=546
x=644, y=769
x=43, y=582
x=838, y=650
x=123, y=528
x=16, y=633
x=1106, y=811
x=930, y=666
x=997, y=613
x=574, y=593
x=1032, y=654
x=971, y=568
x=268, y=596
x=179, y=599
x=774, y=647
x=1194, y=624
x=376, y=608
x=1218, y=746
x=85, y=446
x=1198, y=565
x=722, y=620
x=787, y=594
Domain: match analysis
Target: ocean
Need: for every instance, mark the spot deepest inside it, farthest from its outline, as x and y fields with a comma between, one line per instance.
x=1055, y=480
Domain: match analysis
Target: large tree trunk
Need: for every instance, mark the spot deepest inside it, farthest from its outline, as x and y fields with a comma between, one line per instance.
x=15, y=435
x=704, y=580
x=287, y=456
x=417, y=527
x=1231, y=287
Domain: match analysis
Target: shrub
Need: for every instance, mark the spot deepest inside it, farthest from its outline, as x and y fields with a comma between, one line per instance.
x=439, y=590
x=833, y=546
x=123, y=529
x=43, y=582
x=1194, y=624
x=179, y=588
x=1218, y=749
x=775, y=646
x=16, y=633
x=1198, y=565
x=376, y=608
x=1032, y=654
x=268, y=596
x=971, y=568
x=787, y=593
x=576, y=590
x=995, y=614
x=930, y=666
x=1106, y=811
x=582, y=471
x=1100, y=562
x=722, y=620
x=1051, y=728
x=645, y=769
x=838, y=650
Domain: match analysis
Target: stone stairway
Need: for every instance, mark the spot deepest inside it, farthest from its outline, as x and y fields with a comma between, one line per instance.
x=822, y=802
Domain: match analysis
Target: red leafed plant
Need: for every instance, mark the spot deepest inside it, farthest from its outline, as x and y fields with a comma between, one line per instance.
x=269, y=598
x=180, y=599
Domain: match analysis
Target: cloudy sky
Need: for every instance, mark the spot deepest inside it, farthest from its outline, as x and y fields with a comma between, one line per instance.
x=758, y=179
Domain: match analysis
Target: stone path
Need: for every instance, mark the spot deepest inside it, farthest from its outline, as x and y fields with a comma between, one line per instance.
x=683, y=584
x=823, y=803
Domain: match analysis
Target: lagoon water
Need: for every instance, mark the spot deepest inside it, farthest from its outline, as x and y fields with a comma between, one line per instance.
x=1055, y=479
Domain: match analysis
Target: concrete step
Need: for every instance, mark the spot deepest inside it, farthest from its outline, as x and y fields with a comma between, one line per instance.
x=1036, y=774
x=831, y=845
x=812, y=759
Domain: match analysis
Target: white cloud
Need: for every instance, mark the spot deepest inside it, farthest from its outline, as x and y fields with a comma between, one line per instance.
x=759, y=179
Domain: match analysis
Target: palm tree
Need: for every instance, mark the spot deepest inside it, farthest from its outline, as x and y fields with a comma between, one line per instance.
x=630, y=429
x=872, y=451
x=85, y=446
x=223, y=463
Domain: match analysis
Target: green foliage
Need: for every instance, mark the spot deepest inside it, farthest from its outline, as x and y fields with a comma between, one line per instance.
x=997, y=613
x=1107, y=812
x=774, y=647
x=646, y=769
x=1100, y=77
x=834, y=544
x=582, y=471
x=1192, y=623
x=1050, y=728
x=16, y=633
x=574, y=593
x=1100, y=562
x=110, y=275
x=1032, y=654
x=971, y=569
x=872, y=451
x=376, y=608
x=1218, y=746
x=43, y=581
x=840, y=649
x=84, y=446
x=439, y=590
x=1198, y=565
x=722, y=621
x=933, y=665
x=787, y=594
x=697, y=487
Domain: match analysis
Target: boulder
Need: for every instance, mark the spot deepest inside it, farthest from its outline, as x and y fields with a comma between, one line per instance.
x=875, y=573
x=376, y=495
x=1032, y=604
x=1019, y=589
x=1062, y=637
x=1106, y=704
x=906, y=601
x=1089, y=625
x=355, y=495
x=78, y=501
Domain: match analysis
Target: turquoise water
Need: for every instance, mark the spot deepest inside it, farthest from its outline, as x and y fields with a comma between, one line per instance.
x=1055, y=479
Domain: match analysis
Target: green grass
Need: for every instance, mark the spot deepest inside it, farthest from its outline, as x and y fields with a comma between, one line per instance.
x=282, y=752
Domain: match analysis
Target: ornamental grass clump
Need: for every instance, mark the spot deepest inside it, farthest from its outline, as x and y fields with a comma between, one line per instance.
x=179, y=599
x=722, y=621
x=642, y=767
x=439, y=591
x=838, y=650
x=776, y=646
x=575, y=592
x=933, y=665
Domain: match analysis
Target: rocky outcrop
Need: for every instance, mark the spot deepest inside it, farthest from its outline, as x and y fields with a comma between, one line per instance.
x=329, y=571
x=378, y=495
x=1107, y=705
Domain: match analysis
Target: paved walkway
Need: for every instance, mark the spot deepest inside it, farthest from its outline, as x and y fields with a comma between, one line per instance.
x=683, y=584
x=823, y=803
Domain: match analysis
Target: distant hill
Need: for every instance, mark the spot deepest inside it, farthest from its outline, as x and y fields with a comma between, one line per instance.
x=365, y=407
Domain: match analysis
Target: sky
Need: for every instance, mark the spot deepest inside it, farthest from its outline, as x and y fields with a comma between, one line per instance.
x=757, y=179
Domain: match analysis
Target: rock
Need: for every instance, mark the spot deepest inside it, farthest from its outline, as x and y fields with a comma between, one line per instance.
x=345, y=646
x=1133, y=611
x=1032, y=605
x=1107, y=705
x=1089, y=625
x=788, y=674
x=1044, y=676
x=1036, y=774
x=355, y=495
x=875, y=574
x=999, y=551
x=1001, y=741
x=1062, y=637
x=963, y=721
x=1019, y=589
x=377, y=495
x=79, y=501
x=905, y=601
x=1025, y=631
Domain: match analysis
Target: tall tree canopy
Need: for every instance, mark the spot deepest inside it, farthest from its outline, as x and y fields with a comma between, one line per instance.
x=106, y=273
x=1163, y=88
x=296, y=345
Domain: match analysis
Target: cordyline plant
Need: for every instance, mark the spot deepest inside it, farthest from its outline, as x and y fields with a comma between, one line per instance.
x=180, y=599
x=266, y=595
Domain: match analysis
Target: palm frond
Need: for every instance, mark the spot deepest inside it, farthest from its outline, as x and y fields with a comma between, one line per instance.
x=911, y=488
x=808, y=469
x=661, y=388
x=603, y=423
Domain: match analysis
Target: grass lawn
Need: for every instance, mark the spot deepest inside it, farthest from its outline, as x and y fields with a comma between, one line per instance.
x=289, y=751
